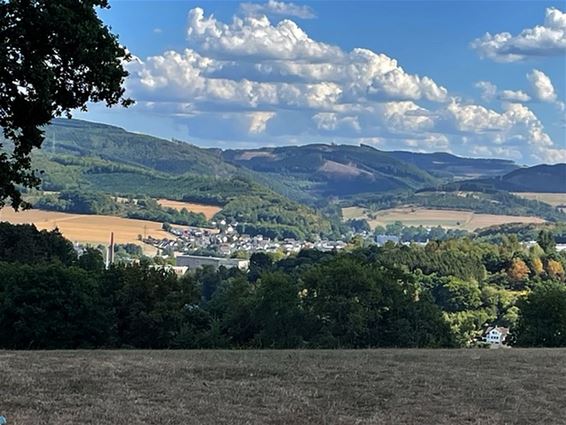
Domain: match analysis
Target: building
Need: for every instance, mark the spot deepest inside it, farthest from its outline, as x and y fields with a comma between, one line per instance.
x=496, y=335
x=197, y=261
x=381, y=240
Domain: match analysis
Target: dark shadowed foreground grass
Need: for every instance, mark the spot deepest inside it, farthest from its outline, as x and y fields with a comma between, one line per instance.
x=284, y=387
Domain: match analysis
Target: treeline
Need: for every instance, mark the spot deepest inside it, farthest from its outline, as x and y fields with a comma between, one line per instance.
x=313, y=300
x=84, y=202
x=439, y=295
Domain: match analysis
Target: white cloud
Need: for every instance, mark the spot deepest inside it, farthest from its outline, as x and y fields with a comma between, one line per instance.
x=254, y=81
x=274, y=7
x=542, y=87
x=514, y=96
x=489, y=92
x=506, y=133
x=548, y=39
x=255, y=38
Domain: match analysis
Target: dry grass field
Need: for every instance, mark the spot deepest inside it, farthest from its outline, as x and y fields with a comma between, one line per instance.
x=207, y=210
x=451, y=219
x=92, y=229
x=284, y=387
x=554, y=199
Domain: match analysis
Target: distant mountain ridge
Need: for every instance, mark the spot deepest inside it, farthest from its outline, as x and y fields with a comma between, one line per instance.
x=342, y=170
x=300, y=172
x=285, y=191
x=443, y=164
x=539, y=178
x=333, y=170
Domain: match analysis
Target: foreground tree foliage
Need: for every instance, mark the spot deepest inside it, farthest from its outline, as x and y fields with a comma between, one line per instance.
x=55, y=56
x=392, y=296
x=542, y=318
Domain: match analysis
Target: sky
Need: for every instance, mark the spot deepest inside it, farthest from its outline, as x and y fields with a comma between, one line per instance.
x=477, y=78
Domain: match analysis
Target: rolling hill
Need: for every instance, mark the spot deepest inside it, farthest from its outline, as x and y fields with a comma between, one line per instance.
x=268, y=187
x=445, y=165
x=540, y=178
x=88, y=157
x=333, y=170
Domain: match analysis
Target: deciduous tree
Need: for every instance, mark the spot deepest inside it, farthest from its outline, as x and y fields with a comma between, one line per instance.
x=55, y=56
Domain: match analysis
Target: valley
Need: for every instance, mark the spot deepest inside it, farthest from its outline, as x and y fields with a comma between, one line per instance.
x=284, y=192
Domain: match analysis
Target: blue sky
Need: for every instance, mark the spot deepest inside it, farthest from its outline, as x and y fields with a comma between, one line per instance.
x=410, y=75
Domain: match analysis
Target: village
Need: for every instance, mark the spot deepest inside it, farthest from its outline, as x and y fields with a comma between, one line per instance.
x=224, y=241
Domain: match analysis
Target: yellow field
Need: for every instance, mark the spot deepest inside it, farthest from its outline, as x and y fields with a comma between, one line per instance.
x=207, y=210
x=89, y=229
x=451, y=219
x=554, y=199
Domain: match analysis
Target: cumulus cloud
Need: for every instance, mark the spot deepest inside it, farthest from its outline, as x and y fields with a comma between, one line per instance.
x=255, y=38
x=274, y=7
x=514, y=96
x=542, y=88
x=489, y=92
x=548, y=39
x=257, y=81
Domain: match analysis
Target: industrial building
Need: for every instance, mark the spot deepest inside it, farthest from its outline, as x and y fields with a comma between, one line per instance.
x=197, y=261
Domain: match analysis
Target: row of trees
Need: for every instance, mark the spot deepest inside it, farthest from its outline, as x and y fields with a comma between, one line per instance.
x=441, y=295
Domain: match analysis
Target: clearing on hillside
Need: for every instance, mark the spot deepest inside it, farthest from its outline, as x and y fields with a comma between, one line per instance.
x=208, y=210
x=471, y=386
x=89, y=229
x=451, y=219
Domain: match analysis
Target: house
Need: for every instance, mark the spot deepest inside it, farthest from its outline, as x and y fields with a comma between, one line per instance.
x=496, y=335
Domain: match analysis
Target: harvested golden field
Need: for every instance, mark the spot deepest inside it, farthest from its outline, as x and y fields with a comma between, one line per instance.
x=452, y=219
x=554, y=199
x=207, y=210
x=330, y=387
x=93, y=229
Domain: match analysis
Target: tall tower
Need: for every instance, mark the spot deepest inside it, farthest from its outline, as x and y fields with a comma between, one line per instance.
x=111, y=249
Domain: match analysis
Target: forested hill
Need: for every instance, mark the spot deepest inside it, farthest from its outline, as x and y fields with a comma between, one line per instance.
x=84, y=138
x=90, y=159
x=333, y=170
x=443, y=164
x=540, y=178
x=303, y=173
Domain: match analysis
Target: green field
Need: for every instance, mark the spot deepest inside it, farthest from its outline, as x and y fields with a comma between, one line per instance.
x=284, y=387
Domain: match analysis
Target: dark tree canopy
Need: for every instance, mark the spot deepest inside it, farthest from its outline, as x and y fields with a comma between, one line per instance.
x=55, y=56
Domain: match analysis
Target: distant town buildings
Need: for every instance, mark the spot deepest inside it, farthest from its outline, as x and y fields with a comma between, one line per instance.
x=226, y=241
x=192, y=262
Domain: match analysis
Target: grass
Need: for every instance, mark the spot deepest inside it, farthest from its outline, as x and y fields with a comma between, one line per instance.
x=451, y=219
x=284, y=387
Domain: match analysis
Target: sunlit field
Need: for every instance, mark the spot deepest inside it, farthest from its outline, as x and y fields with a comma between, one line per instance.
x=451, y=219
x=207, y=210
x=91, y=229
